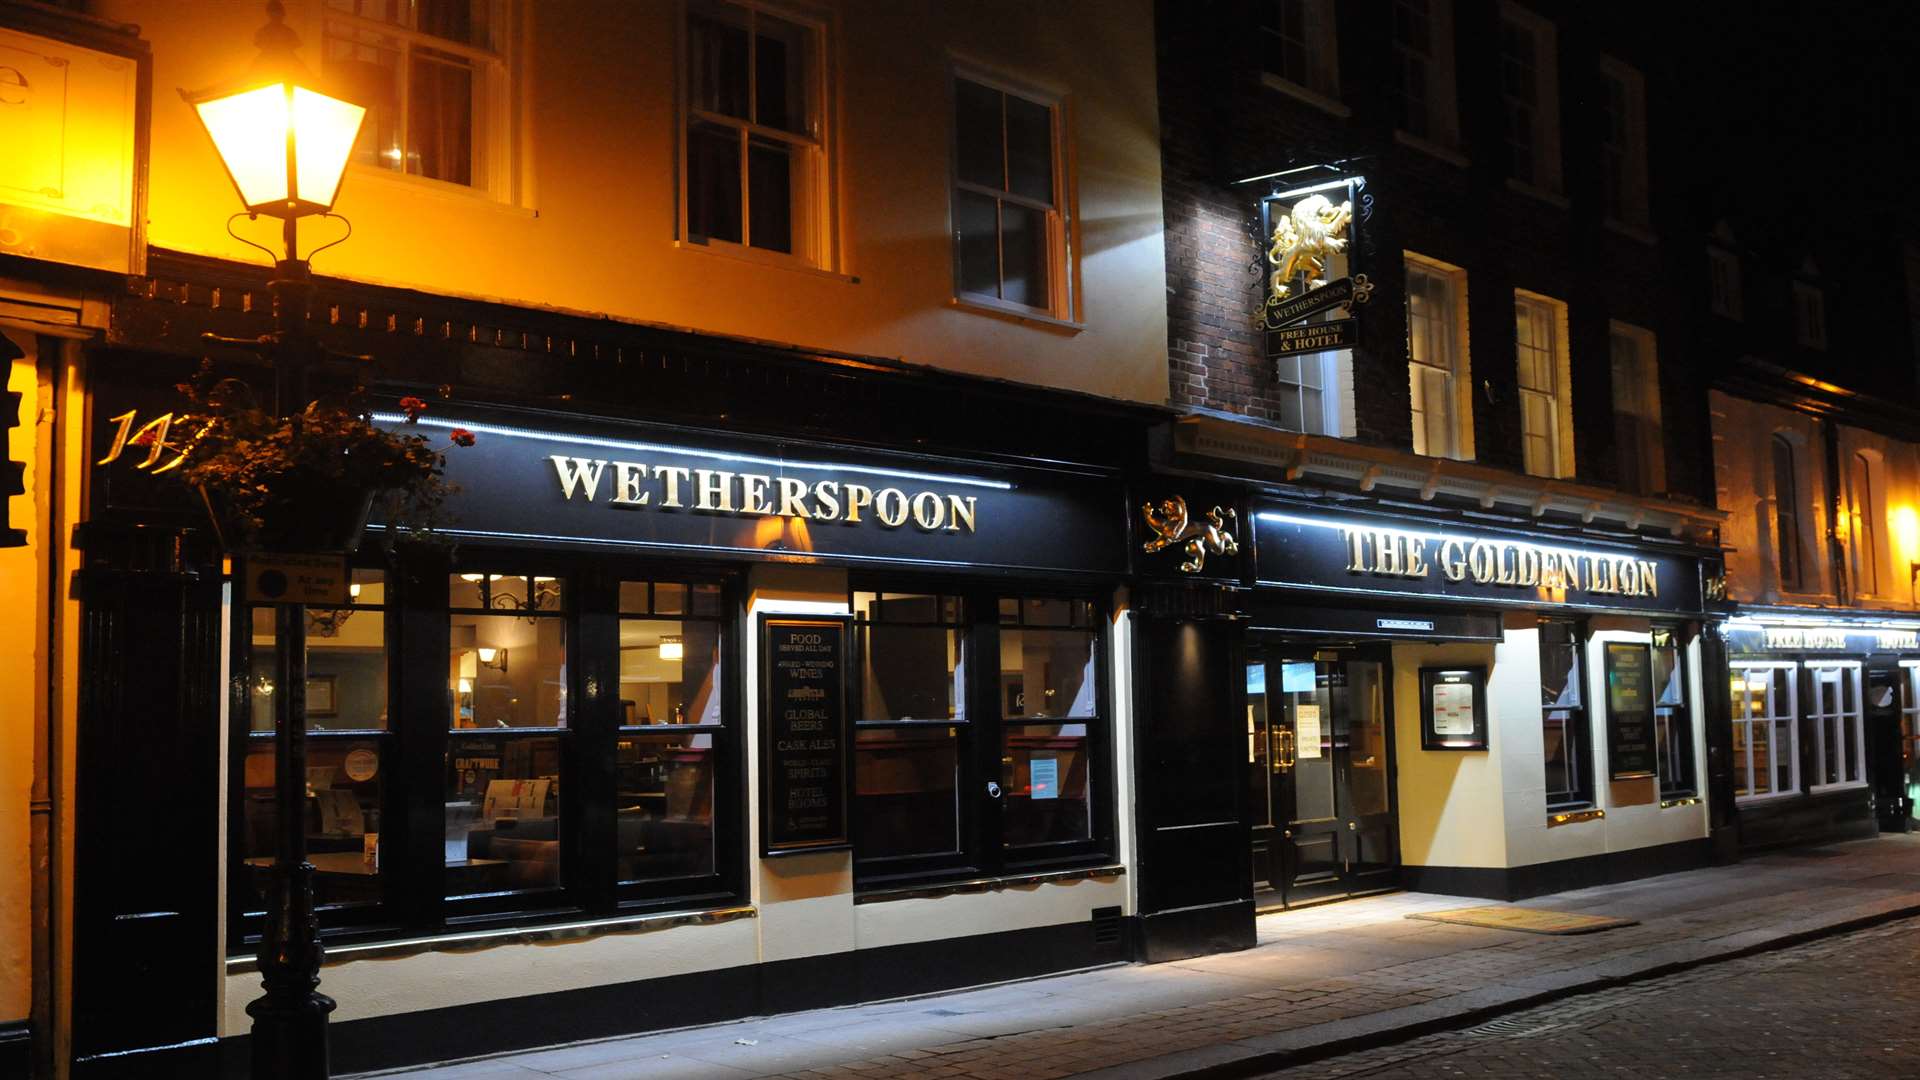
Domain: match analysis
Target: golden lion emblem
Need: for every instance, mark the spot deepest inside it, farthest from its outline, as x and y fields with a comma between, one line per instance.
x=1302, y=241
x=1171, y=525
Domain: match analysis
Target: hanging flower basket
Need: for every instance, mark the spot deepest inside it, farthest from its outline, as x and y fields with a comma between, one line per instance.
x=307, y=482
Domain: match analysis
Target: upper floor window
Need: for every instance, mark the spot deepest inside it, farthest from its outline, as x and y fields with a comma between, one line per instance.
x=1723, y=283
x=1638, y=438
x=434, y=75
x=1786, y=513
x=1809, y=315
x=753, y=166
x=1437, y=370
x=1302, y=48
x=1529, y=87
x=1623, y=142
x=1307, y=393
x=1010, y=232
x=1423, y=71
x=1546, y=406
x=1863, y=541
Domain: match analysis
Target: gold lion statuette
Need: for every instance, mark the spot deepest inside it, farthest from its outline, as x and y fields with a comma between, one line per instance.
x=1302, y=241
x=1171, y=526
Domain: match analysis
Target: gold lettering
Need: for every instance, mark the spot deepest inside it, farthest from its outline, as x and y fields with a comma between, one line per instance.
x=958, y=510
x=753, y=490
x=1629, y=573
x=578, y=473
x=1650, y=577
x=791, y=492
x=890, y=506
x=929, y=510
x=1480, y=560
x=715, y=490
x=1356, y=550
x=857, y=497
x=1503, y=566
x=1453, y=560
x=1416, y=556
x=1386, y=553
x=674, y=475
x=827, y=494
x=626, y=484
x=1528, y=568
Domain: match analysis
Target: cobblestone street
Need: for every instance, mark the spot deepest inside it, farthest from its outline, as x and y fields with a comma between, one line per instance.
x=1840, y=1008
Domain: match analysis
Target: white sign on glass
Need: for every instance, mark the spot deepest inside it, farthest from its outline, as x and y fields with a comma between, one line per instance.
x=1453, y=708
x=1306, y=730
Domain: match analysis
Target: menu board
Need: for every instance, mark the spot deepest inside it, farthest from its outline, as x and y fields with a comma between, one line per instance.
x=1453, y=708
x=804, y=746
x=1629, y=711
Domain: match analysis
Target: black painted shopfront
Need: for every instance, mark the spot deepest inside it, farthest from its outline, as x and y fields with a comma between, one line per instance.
x=541, y=720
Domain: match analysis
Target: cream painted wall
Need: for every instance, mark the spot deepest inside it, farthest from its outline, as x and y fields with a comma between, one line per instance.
x=22, y=650
x=1448, y=800
x=1894, y=471
x=594, y=227
x=1743, y=482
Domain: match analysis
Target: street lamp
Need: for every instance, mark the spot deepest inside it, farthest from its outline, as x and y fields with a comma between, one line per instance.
x=285, y=144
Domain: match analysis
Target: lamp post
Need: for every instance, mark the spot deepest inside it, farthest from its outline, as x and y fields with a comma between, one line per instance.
x=285, y=145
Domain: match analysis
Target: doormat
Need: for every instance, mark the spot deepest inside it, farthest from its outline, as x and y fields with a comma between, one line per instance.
x=1525, y=920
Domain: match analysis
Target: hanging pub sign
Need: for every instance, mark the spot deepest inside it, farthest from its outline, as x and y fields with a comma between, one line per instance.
x=1311, y=337
x=805, y=752
x=1630, y=742
x=1300, y=549
x=1346, y=292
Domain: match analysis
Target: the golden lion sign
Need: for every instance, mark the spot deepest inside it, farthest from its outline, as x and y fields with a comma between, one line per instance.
x=1171, y=526
x=1303, y=238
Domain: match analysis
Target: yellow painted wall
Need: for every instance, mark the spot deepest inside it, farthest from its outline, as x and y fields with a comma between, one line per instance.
x=594, y=227
x=1449, y=800
x=21, y=647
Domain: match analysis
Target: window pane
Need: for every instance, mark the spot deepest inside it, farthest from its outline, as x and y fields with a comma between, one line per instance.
x=905, y=791
x=911, y=673
x=346, y=669
x=1046, y=673
x=717, y=61
x=508, y=671
x=1024, y=254
x=977, y=135
x=344, y=782
x=713, y=183
x=1559, y=665
x=664, y=805
x=907, y=607
x=440, y=117
x=368, y=68
x=1029, y=149
x=503, y=812
x=669, y=672
x=770, y=194
x=782, y=55
x=1043, y=611
x=505, y=592
x=977, y=221
x=1044, y=779
x=1561, y=758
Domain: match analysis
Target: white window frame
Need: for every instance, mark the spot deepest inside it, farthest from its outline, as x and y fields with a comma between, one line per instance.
x=1774, y=719
x=1724, y=283
x=1809, y=315
x=1063, y=268
x=496, y=135
x=1850, y=728
x=1442, y=96
x=815, y=232
x=1643, y=395
x=1453, y=340
x=1322, y=45
x=1631, y=203
x=1544, y=106
x=1545, y=311
x=1332, y=390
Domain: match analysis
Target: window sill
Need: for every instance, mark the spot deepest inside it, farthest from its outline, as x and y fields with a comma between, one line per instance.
x=1432, y=149
x=1847, y=785
x=1632, y=231
x=477, y=198
x=1766, y=796
x=1574, y=816
x=985, y=885
x=1000, y=309
x=469, y=941
x=771, y=260
x=1551, y=198
x=1300, y=93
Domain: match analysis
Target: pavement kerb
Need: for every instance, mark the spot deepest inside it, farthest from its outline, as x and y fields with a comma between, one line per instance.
x=1283, y=1050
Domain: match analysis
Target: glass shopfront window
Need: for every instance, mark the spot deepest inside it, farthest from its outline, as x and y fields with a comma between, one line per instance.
x=1766, y=744
x=1048, y=661
x=1672, y=720
x=911, y=730
x=1839, y=726
x=1566, y=737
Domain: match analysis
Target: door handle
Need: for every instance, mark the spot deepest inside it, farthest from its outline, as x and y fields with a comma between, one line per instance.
x=1286, y=834
x=1351, y=827
x=1284, y=757
x=993, y=789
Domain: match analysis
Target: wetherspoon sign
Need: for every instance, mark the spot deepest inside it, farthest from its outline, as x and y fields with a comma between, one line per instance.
x=1301, y=550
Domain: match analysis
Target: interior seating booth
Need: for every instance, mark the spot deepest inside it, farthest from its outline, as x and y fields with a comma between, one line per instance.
x=676, y=719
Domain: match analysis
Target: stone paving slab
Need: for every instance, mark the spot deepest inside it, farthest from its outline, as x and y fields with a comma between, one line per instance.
x=1321, y=981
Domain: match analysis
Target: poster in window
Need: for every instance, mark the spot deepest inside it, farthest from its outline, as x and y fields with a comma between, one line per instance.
x=1630, y=752
x=1306, y=730
x=805, y=752
x=1453, y=708
x=1043, y=777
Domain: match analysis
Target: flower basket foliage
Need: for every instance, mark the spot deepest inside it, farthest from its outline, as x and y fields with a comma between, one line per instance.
x=308, y=482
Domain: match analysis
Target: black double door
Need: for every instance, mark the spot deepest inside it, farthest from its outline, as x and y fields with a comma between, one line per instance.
x=1319, y=752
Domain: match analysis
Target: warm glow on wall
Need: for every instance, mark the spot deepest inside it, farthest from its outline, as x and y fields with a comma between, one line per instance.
x=1906, y=530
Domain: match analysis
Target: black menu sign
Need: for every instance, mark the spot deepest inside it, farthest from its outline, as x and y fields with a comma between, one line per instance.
x=804, y=745
x=1629, y=711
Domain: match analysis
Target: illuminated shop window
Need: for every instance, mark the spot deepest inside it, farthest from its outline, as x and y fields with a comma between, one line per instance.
x=1766, y=741
x=1565, y=734
x=1672, y=718
x=435, y=78
x=1839, y=725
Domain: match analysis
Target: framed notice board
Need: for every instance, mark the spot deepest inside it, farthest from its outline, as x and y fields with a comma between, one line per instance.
x=1453, y=708
x=806, y=752
x=1629, y=670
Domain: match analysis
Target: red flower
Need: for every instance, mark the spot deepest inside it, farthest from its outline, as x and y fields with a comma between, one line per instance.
x=413, y=407
x=461, y=436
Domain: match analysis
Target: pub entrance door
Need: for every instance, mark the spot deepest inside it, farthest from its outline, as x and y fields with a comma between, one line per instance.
x=1319, y=754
